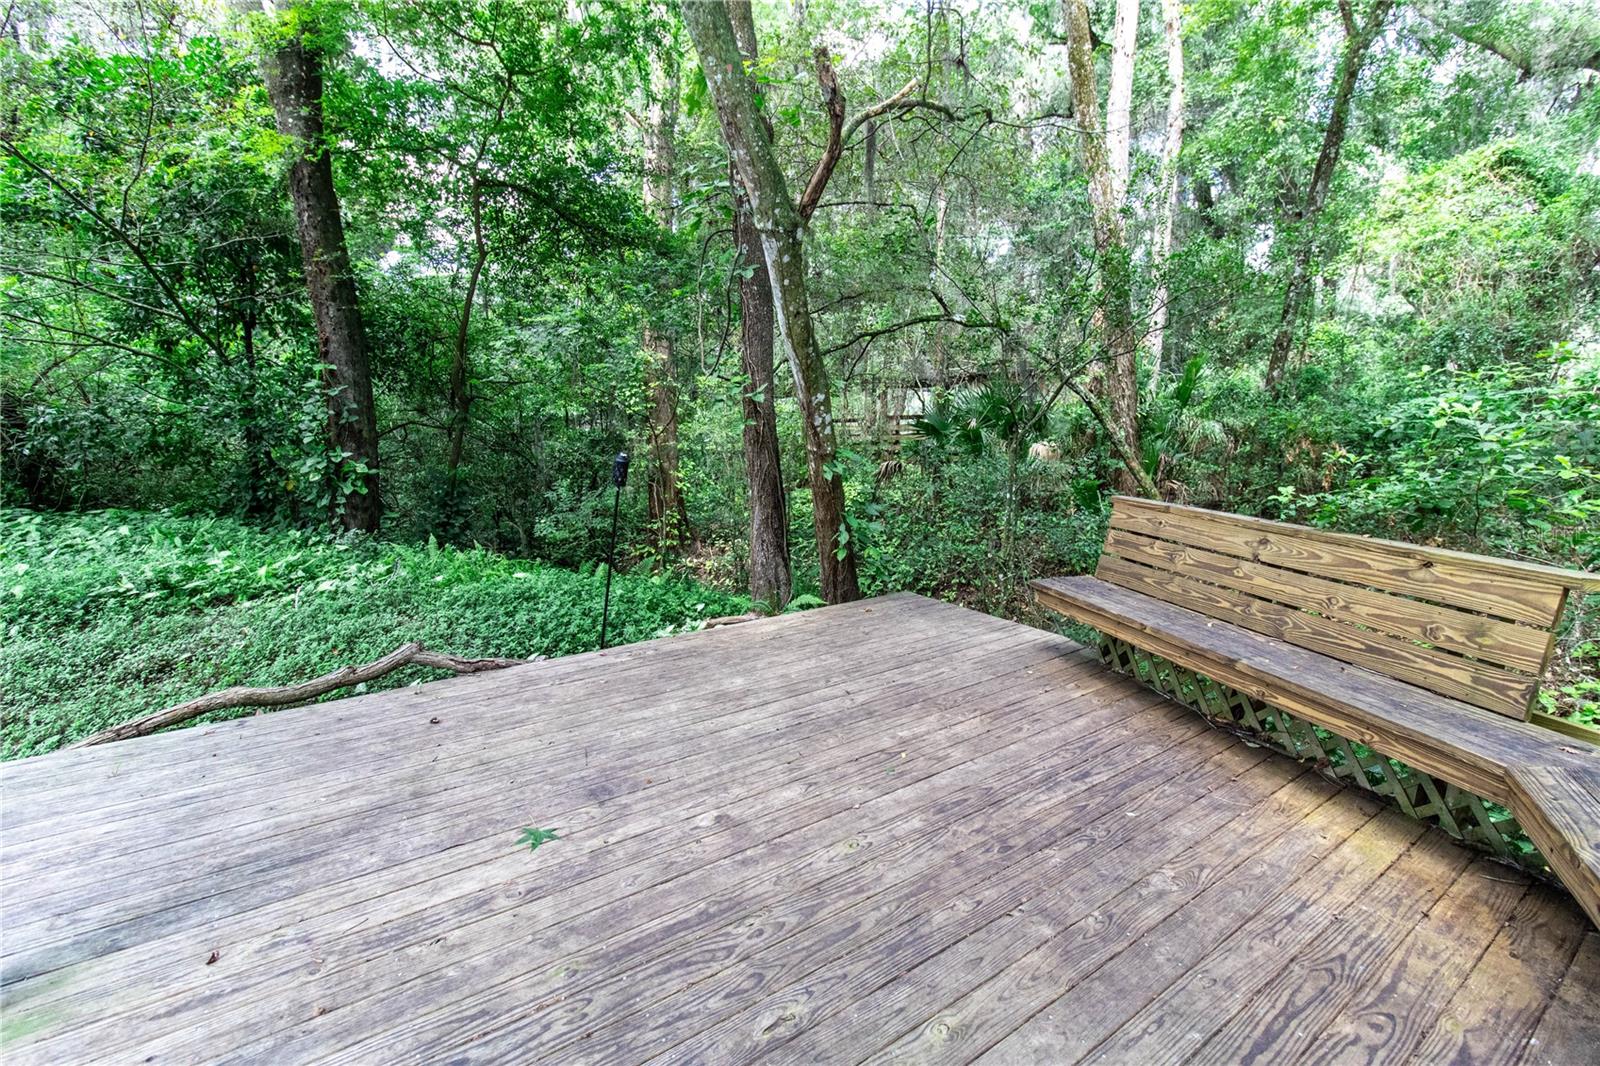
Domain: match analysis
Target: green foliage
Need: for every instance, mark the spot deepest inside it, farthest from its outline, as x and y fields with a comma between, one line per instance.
x=161, y=355
x=1506, y=459
x=1490, y=255
x=945, y=531
x=534, y=838
x=110, y=615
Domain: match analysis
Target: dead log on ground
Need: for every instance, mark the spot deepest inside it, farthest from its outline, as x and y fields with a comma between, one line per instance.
x=731, y=619
x=412, y=654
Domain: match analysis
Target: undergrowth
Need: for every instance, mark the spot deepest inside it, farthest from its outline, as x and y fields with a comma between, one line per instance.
x=110, y=615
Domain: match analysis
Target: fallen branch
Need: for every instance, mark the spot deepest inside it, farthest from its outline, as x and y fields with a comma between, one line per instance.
x=412, y=654
x=731, y=619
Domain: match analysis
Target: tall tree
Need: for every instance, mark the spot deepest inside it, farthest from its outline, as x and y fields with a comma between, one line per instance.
x=460, y=398
x=1114, y=316
x=1119, y=97
x=292, y=68
x=779, y=220
x=1171, y=148
x=771, y=582
x=669, y=518
x=1359, y=37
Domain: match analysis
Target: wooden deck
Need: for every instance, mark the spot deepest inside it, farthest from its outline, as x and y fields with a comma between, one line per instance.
x=890, y=830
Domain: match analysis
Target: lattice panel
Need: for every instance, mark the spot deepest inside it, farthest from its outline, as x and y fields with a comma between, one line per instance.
x=1466, y=816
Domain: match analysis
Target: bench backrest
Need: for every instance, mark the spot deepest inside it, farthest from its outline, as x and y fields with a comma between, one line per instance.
x=1466, y=626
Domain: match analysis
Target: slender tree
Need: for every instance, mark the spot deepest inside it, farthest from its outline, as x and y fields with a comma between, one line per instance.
x=779, y=221
x=771, y=583
x=1114, y=316
x=1119, y=97
x=1358, y=40
x=292, y=69
x=460, y=358
x=1171, y=148
x=669, y=517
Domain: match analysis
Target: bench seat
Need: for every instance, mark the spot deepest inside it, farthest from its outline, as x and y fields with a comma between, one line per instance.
x=1472, y=747
x=1425, y=655
x=1559, y=807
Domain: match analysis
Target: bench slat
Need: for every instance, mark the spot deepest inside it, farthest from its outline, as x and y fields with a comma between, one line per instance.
x=1481, y=685
x=1502, y=643
x=1509, y=592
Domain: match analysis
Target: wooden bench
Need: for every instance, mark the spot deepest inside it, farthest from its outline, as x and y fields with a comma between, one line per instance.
x=1427, y=656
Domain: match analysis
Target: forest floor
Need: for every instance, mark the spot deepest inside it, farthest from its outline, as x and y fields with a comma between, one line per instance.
x=110, y=615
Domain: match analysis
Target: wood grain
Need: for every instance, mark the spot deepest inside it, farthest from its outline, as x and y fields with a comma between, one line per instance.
x=1560, y=809
x=1467, y=745
x=1491, y=688
x=1173, y=1024
x=1505, y=588
x=1507, y=644
x=1569, y=1030
x=1494, y=1012
x=1329, y=1003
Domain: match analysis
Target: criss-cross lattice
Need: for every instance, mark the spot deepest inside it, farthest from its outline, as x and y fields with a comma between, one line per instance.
x=1466, y=816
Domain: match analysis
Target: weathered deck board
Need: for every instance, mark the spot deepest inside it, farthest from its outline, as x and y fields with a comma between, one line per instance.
x=892, y=829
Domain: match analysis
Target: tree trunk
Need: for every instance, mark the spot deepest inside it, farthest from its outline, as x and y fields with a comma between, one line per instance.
x=1119, y=97
x=1358, y=43
x=869, y=169
x=1115, y=318
x=770, y=580
x=669, y=517
x=771, y=583
x=941, y=348
x=460, y=365
x=257, y=455
x=293, y=75
x=778, y=222
x=1172, y=31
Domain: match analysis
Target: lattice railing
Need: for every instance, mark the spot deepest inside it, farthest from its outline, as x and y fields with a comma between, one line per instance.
x=1466, y=816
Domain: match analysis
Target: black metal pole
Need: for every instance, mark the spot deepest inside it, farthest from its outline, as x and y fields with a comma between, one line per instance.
x=619, y=476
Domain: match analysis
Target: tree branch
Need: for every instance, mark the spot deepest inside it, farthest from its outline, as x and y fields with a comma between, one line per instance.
x=123, y=237
x=839, y=133
x=899, y=99
x=1562, y=47
x=412, y=654
x=1118, y=445
x=919, y=320
x=833, y=102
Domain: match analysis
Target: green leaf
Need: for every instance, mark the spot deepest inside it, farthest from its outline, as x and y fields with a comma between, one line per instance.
x=535, y=838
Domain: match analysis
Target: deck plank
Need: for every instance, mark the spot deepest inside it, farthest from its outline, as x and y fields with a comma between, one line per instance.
x=1024, y=961
x=1349, y=857
x=1569, y=1030
x=1560, y=809
x=446, y=888
x=681, y=948
x=490, y=828
x=324, y=816
x=1173, y=1024
x=892, y=827
x=1327, y=1004
x=526, y=701
x=1494, y=1011
x=403, y=945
